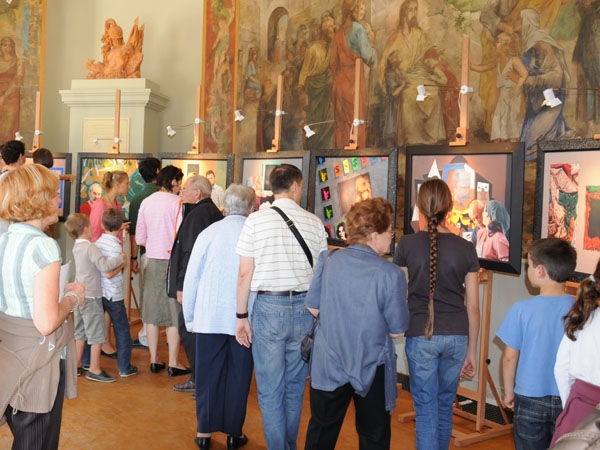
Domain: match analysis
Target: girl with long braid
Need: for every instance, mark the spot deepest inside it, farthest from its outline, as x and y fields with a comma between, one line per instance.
x=443, y=299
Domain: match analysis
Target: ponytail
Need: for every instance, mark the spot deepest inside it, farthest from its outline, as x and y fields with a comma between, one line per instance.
x=111, y=178
x=586, y=303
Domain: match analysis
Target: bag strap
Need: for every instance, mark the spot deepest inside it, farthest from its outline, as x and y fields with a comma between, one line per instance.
x=296, y=233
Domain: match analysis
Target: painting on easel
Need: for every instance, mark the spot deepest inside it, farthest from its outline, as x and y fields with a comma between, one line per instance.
x=253, y=169
x=340, y=178
x=486, y=182
x=568, y=198
x=21, y=65
x=91, y=170
x=62, y=166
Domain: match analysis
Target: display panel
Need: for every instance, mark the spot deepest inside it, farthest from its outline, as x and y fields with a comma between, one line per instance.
x=93, y=166
x=62, y=166
x=486, y=182
x=568, y=199
x=219, y=165
x=253, y=169
x=342, y=178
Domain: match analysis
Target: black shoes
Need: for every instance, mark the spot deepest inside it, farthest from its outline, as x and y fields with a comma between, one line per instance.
x=188, y=386
x=236, y=442
x=112, y=355
x=137, y=344
x=175, y=371
x=203, y=442
x=157, y=367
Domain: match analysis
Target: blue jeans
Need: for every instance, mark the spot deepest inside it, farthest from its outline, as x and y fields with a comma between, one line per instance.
x=118, y=316
x=278, y=326
x=434, y=368
x=534, y=421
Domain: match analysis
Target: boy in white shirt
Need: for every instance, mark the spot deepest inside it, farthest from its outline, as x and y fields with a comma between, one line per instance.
x=113, y=294
x=89, y=318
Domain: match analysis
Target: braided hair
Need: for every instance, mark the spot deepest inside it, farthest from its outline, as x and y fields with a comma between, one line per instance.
x=434, y=202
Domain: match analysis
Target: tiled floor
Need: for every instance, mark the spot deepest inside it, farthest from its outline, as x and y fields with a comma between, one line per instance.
x=143, y=412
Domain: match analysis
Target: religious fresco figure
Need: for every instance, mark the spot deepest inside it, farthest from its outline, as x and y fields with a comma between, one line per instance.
x=354, y=39
x=586, y=58
x=11, y=80
x=414, y=122
x=499, y=16
x=316, y=81
x=547, y=68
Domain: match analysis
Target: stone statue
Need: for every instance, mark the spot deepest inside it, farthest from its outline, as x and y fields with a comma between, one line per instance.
x=119, y=59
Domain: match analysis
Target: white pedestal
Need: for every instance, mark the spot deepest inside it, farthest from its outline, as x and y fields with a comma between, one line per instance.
x=92, y=110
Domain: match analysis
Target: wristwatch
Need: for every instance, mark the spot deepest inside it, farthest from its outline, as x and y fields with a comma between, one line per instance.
x=242, y=315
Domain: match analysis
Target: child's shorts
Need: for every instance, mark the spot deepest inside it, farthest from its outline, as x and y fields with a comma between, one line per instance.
x=89, y=322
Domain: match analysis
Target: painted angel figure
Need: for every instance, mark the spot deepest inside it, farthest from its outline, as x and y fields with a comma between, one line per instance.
x=119, y=59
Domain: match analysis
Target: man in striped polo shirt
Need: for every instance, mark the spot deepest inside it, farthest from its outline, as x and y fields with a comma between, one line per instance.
x=274, y=265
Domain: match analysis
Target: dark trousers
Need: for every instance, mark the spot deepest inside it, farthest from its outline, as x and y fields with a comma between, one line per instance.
x=188, y=340
x=33, y=431
x=328, y=410
x=120, y=323
x=534, y=421
x=223, y=374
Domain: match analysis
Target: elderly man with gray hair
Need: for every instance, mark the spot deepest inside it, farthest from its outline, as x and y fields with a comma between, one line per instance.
x=199, y=212
x=223, y=366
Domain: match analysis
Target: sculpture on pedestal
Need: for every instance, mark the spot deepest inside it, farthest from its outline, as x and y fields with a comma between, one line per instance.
x=119, y=59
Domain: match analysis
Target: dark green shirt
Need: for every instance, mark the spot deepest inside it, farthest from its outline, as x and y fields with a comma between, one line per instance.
x=136, y=201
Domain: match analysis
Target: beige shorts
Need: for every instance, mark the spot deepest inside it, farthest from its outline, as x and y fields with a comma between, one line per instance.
x=89, y=321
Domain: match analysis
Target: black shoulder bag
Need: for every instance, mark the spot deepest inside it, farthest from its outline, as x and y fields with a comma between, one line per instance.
x=307, y=342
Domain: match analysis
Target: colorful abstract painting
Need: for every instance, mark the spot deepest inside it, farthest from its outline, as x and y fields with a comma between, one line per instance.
x=564, y=195
x=591, y=237
x=92, y=171
x=219, y=69
x=21, y=65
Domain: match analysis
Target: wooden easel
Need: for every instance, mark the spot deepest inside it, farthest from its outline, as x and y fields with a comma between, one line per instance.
x=38, y=123
x=197, y=123
x=276, y=142
x=461, y=134
x=116, y=146
x=484, y=429
x=357, y=122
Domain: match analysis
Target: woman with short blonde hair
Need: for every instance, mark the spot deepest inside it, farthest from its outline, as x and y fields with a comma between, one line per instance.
x=32, y=316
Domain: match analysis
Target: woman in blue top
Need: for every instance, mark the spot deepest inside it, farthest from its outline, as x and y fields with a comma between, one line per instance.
x=360, y=299
x=441, y=340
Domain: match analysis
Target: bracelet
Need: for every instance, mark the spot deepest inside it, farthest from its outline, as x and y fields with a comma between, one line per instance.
x=134, y=258
x=241, y=315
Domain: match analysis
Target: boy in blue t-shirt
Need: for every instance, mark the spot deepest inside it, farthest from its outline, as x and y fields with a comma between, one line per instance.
x=532, y=331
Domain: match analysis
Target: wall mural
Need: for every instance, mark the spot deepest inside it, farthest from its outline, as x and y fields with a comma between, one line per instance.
x=519, y=48
x=21, y=49
x=219, y=68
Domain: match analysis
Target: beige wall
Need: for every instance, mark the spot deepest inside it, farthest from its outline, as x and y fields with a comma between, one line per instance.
x=172, y=57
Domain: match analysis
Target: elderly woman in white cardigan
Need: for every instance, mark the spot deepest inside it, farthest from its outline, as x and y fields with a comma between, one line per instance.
x=223, y=367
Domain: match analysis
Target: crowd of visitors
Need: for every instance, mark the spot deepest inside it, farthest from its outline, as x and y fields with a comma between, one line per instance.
x=241, y=290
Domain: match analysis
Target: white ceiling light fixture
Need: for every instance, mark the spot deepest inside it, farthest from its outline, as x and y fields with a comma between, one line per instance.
x=422, y=93
x=550, y=99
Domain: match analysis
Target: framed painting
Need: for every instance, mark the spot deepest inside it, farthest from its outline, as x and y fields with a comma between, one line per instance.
x=568, y=198
x=253, y=169
x=340, y=178
x=22, y=48
x=91, y=170
x=62, y=166
x=486, y=182
x=219, y=73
